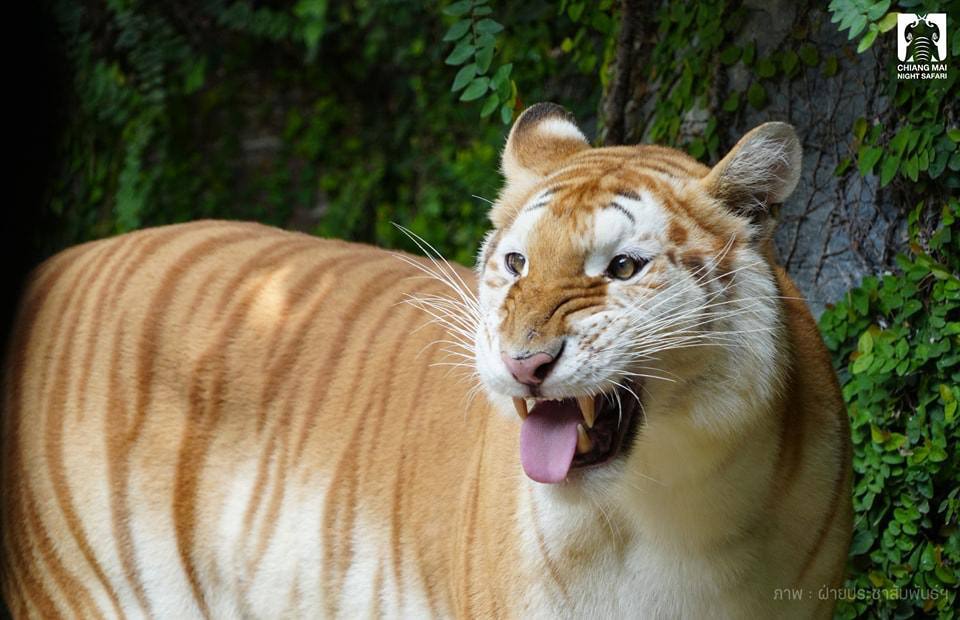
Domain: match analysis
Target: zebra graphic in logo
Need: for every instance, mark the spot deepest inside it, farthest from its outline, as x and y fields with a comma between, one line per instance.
x=922, y=37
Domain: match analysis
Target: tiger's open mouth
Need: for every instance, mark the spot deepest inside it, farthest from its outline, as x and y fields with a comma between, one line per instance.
x=558, y=436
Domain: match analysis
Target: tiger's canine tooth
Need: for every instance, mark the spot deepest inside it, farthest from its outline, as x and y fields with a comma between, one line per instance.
x=521, y=407
x=583, y=440
x=588, y=409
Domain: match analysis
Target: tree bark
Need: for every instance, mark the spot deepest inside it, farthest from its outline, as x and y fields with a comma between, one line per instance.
x=836, y=228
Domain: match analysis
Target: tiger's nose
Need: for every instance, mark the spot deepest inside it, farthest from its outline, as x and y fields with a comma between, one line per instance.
x=530, y=370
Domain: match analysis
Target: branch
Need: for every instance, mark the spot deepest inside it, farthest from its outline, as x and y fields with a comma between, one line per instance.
x=614, y=105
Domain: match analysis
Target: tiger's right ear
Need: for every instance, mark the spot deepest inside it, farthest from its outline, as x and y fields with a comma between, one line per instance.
x=541, y=139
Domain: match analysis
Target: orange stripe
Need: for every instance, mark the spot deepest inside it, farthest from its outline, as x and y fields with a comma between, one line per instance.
x=322, y=385
x=205, y=398
x=381, y=394
x=55, y=415
x=277, y=376
x=121, y=442
x=336, y=511
x=469, y=529
x=544, y=552
x=83, y=270
x=72, y=591
x=101, y=319
x=835, y=497
x=13, y=522
x=400, y=482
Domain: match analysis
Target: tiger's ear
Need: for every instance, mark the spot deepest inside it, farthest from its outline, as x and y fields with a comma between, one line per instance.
x=762, y=169
x=540, y=140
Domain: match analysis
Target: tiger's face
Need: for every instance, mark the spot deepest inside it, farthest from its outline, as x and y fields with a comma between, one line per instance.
x=613, y=272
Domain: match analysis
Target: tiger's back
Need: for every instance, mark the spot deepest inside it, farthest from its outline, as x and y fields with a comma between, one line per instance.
x=223, y=419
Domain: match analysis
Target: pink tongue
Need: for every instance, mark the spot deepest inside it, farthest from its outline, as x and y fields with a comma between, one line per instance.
x=548, y=440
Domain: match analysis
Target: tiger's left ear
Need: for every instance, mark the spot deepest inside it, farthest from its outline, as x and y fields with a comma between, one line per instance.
x=541, y=139
x=762, y=169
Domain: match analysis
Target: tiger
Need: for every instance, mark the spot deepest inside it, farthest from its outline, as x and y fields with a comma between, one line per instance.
x=625, y=410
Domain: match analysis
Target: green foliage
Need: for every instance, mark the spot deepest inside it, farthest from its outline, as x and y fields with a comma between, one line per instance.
x=332, y=118
x=896, y=344
x=474, y=38
x=863, y=17
x=923, y=147
x=478, y=40
x=690, y=40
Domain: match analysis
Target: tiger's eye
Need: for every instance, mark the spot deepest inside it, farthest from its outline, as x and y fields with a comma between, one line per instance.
x=623, y=267
x=515, y=263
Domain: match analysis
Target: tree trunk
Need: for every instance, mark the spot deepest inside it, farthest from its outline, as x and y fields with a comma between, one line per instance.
x=838, y=226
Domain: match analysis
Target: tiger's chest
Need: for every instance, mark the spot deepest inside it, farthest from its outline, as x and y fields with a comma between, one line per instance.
x=648, y=582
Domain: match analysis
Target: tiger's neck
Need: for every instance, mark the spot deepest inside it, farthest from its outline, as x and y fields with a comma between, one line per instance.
x=692, y=484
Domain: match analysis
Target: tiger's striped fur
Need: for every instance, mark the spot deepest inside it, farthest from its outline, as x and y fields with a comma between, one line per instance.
x=226, y=420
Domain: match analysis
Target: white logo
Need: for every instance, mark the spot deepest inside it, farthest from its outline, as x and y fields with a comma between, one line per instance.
x=922, y=46
x=922, y=38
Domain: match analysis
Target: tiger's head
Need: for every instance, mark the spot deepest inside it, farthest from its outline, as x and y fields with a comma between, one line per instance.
x=627, y=288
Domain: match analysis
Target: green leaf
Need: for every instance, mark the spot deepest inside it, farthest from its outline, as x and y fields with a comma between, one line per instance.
x=877, y=11
x=789, y=61
x=501, y=75
x=911, y=168
x=757, y=96
x=195, y=77
x=859, y=128
x=484, y=58
x=888, y=22
x=867, y=41
x=488, y=26
x=457, y=30
x=486, y=40
x=888, y=169
x=938, y=165
x=945, y=575
x=732, y=102
x=862, y=541
x=831, y=66
x=463, y=77
x=490, y=105
x=809, y=55
x=460, y=53
x=865, y=343
x=477, y=88
x=859, y=23
x=506, y=114
x=505, y=87
x=458, y=8
x=899, y=141
x=954, y=134
x=730, y=55
x=575, y=11
x=765, y=68
x=842, y=167
x=868, y=158
x=749, y=51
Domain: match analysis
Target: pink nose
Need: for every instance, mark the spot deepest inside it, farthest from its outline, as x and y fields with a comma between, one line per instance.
x=529, y=370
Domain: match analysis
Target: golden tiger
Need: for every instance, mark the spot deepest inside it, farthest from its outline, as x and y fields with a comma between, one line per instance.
x=630, y=414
